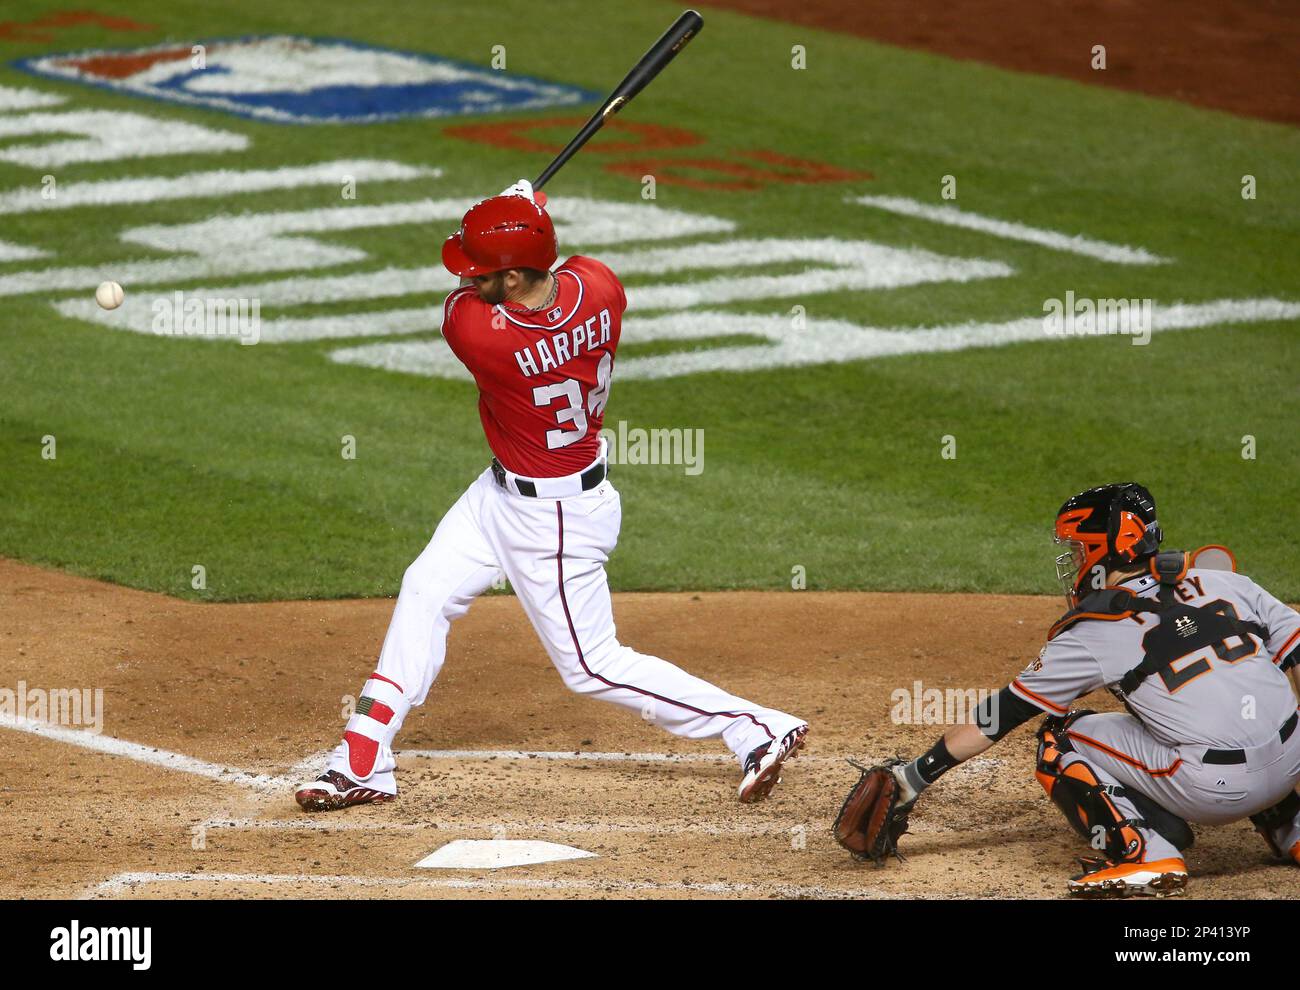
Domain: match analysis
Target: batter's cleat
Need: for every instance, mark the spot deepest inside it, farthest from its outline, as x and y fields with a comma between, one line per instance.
x=1295, y=854
x=763, y=765
x=331, y=791
x=1102, y=879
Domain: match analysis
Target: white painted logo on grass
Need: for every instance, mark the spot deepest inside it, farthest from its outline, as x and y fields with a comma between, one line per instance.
x=494, y=854
x=232, y=244
x=288, y=79
x=822, y=341
x=1120, y=254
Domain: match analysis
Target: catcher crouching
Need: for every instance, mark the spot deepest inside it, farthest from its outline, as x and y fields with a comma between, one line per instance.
x=1200, y=658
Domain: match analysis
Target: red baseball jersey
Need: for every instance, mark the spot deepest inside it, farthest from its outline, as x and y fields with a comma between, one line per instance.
x=542, y=375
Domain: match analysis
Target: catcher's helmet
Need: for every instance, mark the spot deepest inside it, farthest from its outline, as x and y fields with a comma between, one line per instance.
x=1106, y=529
x=498, y=233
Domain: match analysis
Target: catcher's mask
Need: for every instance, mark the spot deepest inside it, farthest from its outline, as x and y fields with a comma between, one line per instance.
x=1105, y=529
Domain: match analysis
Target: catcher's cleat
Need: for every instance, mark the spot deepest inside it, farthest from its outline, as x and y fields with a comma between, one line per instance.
x=332, y=790
x=1103, y=879
x=763, y=765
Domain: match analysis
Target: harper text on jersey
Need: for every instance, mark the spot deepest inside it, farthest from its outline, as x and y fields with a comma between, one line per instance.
x=537, y=357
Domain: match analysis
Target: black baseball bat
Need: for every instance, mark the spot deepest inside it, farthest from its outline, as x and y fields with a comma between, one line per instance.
x=652, y=62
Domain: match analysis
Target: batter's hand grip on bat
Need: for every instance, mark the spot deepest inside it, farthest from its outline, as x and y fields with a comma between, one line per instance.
x=652, y=62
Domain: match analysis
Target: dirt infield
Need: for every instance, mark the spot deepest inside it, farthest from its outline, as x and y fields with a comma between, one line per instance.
x=1240, y=57
x=236, y=701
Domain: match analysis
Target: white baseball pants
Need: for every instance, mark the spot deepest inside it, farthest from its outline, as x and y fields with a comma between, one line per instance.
x=553, y=551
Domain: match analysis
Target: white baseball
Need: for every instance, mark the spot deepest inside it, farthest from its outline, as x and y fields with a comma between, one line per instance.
x=109, y=295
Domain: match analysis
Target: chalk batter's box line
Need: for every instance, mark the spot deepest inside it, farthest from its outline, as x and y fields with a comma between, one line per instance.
x=519, y=827
x=268, y=783
x=580, y=756
x=128, y=882
x=141, y=753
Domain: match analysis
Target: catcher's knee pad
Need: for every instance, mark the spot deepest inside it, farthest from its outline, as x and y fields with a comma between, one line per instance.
x=1272, y=821
x=1053, y=743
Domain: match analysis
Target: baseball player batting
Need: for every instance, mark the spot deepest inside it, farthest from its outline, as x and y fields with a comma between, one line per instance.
x=1198, y=654
x=541, y=346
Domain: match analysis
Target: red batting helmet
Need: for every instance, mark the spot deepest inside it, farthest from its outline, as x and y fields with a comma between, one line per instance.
x=501, y=232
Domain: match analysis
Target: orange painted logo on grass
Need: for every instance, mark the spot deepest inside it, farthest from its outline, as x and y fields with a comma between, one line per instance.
x=47, y=27
x=732, y=172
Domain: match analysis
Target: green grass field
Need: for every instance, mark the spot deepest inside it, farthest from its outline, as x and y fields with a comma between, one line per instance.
x=172, y=453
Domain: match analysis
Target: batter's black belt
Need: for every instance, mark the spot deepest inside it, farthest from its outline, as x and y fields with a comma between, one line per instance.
x=1228, y=757
x=591, y=477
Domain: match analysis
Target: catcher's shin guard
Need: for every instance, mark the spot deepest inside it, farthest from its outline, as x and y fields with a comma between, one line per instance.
x=1085, y=801
x=1053, y=743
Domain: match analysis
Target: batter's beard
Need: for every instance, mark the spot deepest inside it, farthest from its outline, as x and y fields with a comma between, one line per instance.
x=493, y=291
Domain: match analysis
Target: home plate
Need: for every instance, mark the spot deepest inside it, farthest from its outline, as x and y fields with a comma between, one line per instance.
x=493, y=854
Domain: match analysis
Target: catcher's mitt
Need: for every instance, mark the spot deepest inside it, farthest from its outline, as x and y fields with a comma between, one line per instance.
x=872, y=819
